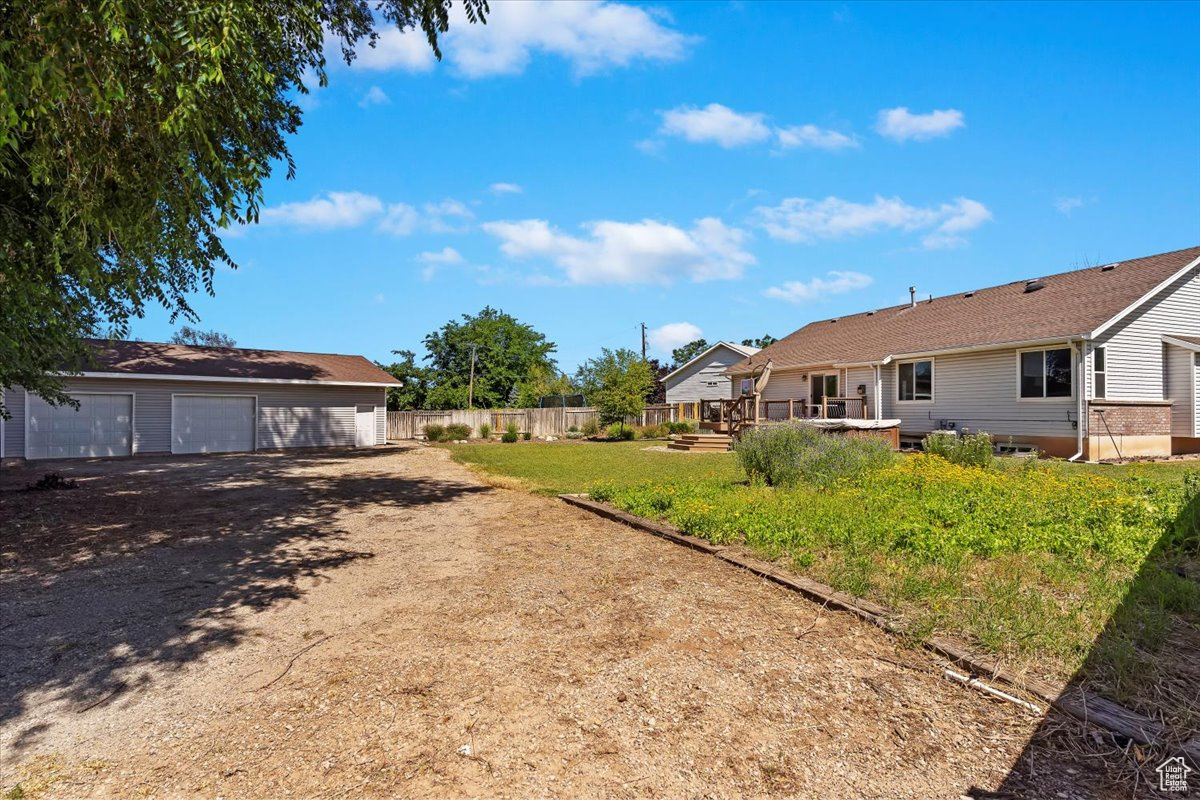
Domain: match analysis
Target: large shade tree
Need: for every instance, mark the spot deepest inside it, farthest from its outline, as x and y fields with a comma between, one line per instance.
x=131, y=134
x=617, y=383
x=506, y=353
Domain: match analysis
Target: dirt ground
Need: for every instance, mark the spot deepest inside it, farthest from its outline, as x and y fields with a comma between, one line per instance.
x=382, y=623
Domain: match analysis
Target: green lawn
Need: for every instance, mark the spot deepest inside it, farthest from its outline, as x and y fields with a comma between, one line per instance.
x=571, y=467
x=1058, y=568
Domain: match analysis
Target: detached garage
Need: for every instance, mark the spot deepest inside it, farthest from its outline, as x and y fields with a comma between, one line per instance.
x=141, y=398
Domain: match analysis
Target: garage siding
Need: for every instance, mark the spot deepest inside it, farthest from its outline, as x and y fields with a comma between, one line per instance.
x=289, y=415
x=14, y=427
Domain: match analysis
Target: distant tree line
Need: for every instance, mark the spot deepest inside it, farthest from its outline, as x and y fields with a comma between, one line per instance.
x=493, y=360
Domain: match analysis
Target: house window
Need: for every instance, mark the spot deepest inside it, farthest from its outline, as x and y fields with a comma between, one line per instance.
x=915, y=381
x=1099, y=373
x=824, y=386
x=1046, y=373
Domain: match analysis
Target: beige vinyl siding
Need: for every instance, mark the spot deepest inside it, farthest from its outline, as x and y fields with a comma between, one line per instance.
x=854, y=377
x=782, y=386
x=14, y=426
x=289, y=415
x=1135, y=348
x=978, y=391
x=1181, y=390
x=691, y=385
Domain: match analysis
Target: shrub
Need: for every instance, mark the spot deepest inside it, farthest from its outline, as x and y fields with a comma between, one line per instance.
x=620, y=432
x=512, y=428
x=527, y=436
x=968, y=450
x=434, y=433
x=572, y=429
x=485, y=431
x=508, y=437
x=786, y=454
x=590, y=428
x=456, y=431
x=651, y=431
x=683, y=426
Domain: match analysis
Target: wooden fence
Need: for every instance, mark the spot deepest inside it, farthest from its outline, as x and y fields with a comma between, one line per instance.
x=537, y=421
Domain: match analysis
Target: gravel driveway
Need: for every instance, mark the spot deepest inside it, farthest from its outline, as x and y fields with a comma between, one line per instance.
x=382, y=623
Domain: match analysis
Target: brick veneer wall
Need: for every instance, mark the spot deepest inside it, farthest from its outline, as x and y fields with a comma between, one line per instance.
x=1129, y=419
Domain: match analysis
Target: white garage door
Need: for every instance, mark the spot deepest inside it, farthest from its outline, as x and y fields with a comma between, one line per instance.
x=212, y=423
x=102, y=426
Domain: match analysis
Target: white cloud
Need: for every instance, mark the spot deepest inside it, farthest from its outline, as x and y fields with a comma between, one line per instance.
x=394, y=49
x=374, y=97
x=447, y=255
x=630, y=252
x=448, y=216
x=813, y=137
x=401, y=220
x=378, y=298
x=672, y=335
x=592, y=36
x=505, y=188
x=802, y=219
x=819, y=288
x=901, y=124
x=1066, y=205
x=334, y=210
x=715, y=123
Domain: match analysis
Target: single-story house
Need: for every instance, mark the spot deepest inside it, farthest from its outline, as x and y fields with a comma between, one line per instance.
x=704, y=377
x=1087, y=364
x=138, y=398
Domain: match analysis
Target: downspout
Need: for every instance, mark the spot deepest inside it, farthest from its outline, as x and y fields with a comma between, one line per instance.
x=1080, y=403
x=878, y=392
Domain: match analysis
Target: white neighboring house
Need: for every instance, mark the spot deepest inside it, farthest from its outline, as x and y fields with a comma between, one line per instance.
x=705, y=376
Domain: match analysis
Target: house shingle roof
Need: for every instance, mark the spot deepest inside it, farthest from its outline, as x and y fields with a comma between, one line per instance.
x=178, y=360
x=1067, y=304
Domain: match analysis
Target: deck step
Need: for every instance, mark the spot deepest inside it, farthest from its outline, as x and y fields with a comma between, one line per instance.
x=705, y=442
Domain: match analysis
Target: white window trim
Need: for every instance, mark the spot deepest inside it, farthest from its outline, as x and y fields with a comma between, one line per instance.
x=133, y=451
x=1074, y=376
x=1097, y=349
x=823, y=375
x=214, y=394
x=933, y=382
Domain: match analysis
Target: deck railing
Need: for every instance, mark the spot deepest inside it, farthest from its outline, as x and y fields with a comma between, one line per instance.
x=730, y=416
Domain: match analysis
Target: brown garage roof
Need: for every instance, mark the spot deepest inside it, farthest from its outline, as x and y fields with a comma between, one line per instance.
x=1064, y=305
x=179, y=360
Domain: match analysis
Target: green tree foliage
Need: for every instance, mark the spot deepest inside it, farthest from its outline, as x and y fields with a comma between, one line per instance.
x=508, y=353
x=131, y=134
x=412, y=394
x=196, y=337
x=761, y=342
x=685, y=353
x=616, y=382
x=541, y=382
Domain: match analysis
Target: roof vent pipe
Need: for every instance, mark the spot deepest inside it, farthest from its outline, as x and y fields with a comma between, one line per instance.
x=912, y=296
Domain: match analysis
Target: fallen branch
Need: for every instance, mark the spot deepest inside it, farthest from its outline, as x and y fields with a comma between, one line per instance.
x=288, y=668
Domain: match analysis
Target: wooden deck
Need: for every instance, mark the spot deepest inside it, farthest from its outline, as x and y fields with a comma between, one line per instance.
x=731, y=416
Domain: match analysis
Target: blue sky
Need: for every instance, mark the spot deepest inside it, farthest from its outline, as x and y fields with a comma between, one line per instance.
x=716, y=169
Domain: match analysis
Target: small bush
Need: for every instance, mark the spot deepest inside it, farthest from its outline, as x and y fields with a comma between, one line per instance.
x=456, y=432
x=434, y=433
x=621, y=433
x=651, y=431
x=683, y=426
x=786, y=454
x=590, y=428
x=574, y=435
x=512, y=427
x=968, y=450
x=508, y=437
x=485, y=431
x=572, y=429
x=527, y=436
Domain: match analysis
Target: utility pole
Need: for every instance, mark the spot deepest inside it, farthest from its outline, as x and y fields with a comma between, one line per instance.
x=471, y=386
x=643, y=341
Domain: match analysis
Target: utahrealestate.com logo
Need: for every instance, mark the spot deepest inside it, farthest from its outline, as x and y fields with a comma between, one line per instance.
x=1172, y=775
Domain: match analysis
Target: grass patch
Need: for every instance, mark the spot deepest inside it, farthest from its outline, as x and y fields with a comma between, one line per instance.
x=564, y=467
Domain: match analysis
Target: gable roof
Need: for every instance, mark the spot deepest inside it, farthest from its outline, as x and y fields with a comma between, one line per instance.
x=1069, y=304
x=1187, y=342
x=180, y=361
x=740, y=349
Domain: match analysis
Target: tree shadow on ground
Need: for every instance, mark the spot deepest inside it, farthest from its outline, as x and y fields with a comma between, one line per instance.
x=154, y=563
x=1148, y=660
